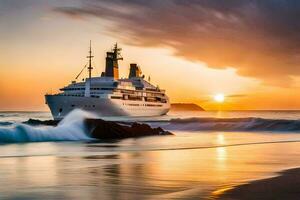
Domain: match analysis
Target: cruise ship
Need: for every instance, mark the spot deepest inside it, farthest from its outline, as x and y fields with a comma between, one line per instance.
x=109, y=95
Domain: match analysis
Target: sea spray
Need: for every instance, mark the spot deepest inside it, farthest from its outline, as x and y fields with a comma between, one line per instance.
x=71, y=128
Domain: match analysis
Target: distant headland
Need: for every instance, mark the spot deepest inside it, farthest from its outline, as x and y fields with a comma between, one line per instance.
x=186, y=107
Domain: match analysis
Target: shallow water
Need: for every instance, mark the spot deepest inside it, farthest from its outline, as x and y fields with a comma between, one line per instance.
x=192, y=164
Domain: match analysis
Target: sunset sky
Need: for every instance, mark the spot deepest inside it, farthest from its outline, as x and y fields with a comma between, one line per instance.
x=248, y=50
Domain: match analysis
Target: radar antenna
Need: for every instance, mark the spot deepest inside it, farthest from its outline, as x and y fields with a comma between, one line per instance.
x=117, y=52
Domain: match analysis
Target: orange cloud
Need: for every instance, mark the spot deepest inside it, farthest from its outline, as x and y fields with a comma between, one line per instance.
x=259, y=39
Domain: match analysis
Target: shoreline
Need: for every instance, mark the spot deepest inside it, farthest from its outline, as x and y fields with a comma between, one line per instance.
x=284, y=185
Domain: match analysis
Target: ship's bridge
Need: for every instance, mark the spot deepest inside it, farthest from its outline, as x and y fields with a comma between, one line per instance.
x=139, y=83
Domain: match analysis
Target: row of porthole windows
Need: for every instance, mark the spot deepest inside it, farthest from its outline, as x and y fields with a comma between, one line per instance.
x=86, y=106
x=101, y=88
x=77, y=95
x=67, y=89
x=93, y=106
x=73, y=95
x=150, y=105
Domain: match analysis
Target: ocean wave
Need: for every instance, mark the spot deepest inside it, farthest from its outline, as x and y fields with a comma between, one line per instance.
x=231, y=124
x=70, y=129
x=5, y=123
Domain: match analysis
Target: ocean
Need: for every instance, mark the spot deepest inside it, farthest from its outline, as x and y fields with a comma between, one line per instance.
x=210, y=153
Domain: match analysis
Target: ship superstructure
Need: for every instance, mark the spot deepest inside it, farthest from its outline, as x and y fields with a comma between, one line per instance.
x=108, y=95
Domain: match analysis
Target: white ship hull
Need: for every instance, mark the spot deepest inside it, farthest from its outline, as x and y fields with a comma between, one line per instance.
x=61, y=105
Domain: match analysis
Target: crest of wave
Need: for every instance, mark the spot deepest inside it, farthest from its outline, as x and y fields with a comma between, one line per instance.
x=232, y=124
x=71, y=128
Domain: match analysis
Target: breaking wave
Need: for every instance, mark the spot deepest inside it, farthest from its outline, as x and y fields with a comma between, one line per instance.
x=70, y=129
x=231, y=124
x=5, y=123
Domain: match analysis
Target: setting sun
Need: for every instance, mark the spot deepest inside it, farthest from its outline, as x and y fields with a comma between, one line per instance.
x=219, y=98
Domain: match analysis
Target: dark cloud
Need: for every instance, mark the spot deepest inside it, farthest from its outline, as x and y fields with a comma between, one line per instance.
x=14, y=5
x=258, y=38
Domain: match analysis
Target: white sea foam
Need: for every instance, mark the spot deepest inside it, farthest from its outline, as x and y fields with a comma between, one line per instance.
x=70, y=129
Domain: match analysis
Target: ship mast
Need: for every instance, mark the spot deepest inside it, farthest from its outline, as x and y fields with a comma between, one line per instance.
x=90, y=61
x=117, y=52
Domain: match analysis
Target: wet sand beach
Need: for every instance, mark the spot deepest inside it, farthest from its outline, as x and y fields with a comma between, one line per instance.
x=284, y=186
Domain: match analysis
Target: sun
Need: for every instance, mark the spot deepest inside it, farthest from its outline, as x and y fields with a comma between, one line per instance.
x=219, y=98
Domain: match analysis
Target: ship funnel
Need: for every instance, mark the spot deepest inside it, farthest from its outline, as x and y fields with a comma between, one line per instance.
x=135, y=71
x=112, y=66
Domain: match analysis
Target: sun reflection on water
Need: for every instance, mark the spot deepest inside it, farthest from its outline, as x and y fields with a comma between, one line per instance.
x=221, y=154
x=165, y=174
